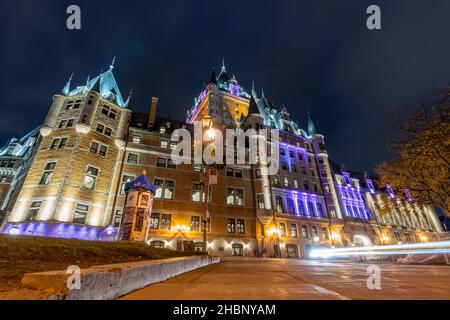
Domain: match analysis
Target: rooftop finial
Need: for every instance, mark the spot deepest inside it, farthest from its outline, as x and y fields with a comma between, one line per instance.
x=262, y=93
x=66, y=88
x=224, y=69
x=88, y=79
x=112, y=63
x=254, y=94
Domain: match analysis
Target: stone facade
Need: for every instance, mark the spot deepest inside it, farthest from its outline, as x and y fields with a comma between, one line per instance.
x=93, y=144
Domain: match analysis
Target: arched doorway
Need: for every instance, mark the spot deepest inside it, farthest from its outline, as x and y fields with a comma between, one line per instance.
x=157, y=244
x=238, y=250
x=362, y=241
x=292, y=251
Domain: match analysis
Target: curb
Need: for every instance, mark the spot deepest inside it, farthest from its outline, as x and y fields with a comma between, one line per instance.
x=106, y=282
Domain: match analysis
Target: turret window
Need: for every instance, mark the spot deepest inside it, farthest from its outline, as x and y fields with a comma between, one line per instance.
x=80, y=214
x=59, y=143
x=33, y=211
x=107, y=111
x=48, y=173
x=90, y=179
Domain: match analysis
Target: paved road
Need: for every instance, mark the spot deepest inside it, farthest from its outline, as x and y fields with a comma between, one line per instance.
x=263, y=279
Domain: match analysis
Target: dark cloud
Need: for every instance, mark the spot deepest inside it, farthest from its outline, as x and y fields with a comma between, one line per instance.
x=306, y=54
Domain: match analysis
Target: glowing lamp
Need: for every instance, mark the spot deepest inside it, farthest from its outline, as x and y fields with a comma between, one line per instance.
x=316, y=239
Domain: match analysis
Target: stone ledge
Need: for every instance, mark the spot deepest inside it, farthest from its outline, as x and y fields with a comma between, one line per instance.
x=106, y=282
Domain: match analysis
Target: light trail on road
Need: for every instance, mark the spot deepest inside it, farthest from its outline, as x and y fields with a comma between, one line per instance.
x=415, y=248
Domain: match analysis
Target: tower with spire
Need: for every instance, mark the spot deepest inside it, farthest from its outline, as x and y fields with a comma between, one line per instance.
x=221, y=102
x=83, y=139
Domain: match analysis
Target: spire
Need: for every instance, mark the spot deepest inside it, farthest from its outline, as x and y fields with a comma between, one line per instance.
x=312, y=128
x=253, y=107
x=213, y=78
x=112, y=63
x=224, y=69
x=262, y=93
x=88, y=79
x=254, y=94
x=66, y=88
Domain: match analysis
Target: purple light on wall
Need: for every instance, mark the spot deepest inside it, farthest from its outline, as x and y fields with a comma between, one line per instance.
x=390, y=191
x=58, y=230
x=408, y=195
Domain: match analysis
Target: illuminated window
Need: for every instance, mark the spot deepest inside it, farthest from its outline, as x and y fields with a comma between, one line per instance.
x=198, y=194
x=305, y=233
x=195, y=223
x=282, y=229
x=235, y=197
x=164, y=144
x=240, y=226
x=80, y=214
x=286, y=181
x=154, y=221
x=125, y=180
x=137, y=139
x=164, y=188
x=296, y=184
x=91, y=178
x=279, y=204
x=33, y=211
x=48, y=173
x=314, y=232
x=261, y=202
x=294, y=230
x=231, y=226
x=198, y=168
x=166, y=220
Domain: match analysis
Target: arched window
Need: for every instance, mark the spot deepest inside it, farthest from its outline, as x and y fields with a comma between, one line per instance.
x=279, y=203
x=301, y=207
x=157, y=244
x=320, y=210
x=290, y=205
x=311, y=209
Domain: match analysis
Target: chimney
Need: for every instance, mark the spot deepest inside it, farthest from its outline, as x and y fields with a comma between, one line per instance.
x=153, y=111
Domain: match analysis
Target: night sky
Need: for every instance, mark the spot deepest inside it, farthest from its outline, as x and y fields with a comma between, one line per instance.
x=306, y=54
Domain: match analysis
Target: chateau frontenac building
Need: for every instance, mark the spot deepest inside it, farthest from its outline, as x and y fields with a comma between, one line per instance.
x=92, y=144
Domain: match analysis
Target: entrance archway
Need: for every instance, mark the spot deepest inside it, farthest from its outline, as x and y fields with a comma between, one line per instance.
x=238, y=250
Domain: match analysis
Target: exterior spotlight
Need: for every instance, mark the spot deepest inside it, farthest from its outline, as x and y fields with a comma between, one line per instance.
x=14, y=232
x=316, y=239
